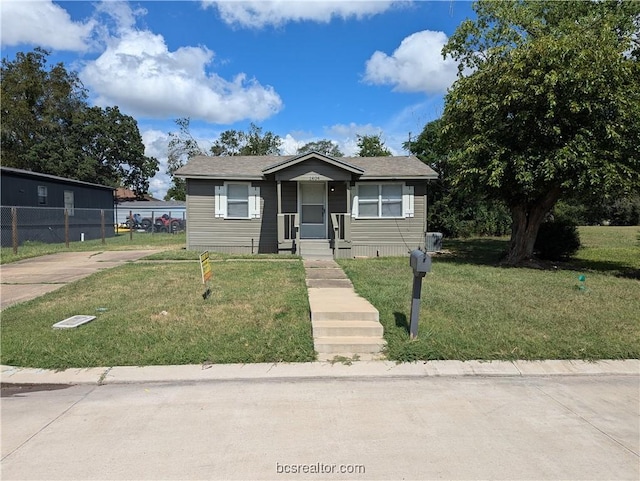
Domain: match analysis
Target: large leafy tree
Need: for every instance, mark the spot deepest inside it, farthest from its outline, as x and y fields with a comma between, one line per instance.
x=37, y=106
x=253, y=142
x=48, y=127
x=547, y=104
x=372, y=146
x=453, y=212
x=323, y=146
x=182, y=146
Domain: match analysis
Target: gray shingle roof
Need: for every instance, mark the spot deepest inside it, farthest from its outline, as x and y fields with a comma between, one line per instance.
x=251, y=167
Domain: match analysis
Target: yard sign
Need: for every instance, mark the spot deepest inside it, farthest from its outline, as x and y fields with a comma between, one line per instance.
x=205, y=267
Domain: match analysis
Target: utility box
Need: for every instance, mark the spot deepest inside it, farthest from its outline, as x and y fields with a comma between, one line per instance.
x=420, y=262
x=433, y=241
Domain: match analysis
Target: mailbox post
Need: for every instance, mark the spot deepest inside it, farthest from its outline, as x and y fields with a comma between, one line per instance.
x=420, y=262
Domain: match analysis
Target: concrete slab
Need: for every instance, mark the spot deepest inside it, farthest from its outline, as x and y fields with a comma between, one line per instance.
x=564, y=367
x=320, y=264
x=330, y=283
x=325, y=304
x=31, y=278
x=48, y=376
x=542, y=428
x=328, y=273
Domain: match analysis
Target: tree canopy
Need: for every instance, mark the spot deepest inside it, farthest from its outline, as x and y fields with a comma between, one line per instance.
x=323, y=146
x=182, y=146
x=48, y=127
x=372, y=146
x=547, y=103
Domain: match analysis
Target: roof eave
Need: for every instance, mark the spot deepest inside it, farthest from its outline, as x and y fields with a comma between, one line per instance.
x=220, y=177
x=400, y=177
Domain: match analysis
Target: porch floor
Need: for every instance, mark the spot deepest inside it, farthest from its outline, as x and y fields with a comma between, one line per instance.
x=344, y=324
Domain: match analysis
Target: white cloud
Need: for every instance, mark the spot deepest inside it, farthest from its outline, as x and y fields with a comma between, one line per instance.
x=138, y=72
x=43, y=23
x=415, y=66
x=258, y=14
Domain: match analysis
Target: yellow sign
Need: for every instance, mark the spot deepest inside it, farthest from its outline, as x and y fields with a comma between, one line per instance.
x=205, y=267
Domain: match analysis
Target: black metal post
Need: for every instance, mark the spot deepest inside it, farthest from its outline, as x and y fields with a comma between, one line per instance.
x=415, y=305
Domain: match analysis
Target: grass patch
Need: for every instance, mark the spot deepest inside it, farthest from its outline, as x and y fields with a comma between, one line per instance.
x=155, y=315
x=472, y=309
x=139, y=240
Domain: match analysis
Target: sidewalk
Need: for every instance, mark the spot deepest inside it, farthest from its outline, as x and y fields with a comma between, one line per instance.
x=317, y=370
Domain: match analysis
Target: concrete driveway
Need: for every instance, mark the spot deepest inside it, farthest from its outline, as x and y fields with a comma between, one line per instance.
x=516, y=428
x=30, y=278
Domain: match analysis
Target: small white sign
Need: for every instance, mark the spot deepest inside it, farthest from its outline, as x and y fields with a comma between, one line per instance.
x=73, y=321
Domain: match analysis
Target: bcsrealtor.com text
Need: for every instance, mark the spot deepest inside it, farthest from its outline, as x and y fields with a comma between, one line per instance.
x=319, y=468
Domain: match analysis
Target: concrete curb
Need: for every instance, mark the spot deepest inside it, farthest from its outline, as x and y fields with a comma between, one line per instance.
x=316, y=370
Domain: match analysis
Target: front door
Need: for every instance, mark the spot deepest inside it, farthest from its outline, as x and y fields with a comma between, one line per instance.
x=313, y=197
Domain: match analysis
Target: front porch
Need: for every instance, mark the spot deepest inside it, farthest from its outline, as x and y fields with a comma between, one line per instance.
x=306, y=222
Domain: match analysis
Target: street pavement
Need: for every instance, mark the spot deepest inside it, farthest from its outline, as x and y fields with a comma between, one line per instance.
x=570, y=427
x=30, y=278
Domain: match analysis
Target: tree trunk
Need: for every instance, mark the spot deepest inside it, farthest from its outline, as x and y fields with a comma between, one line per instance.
x=526, y=220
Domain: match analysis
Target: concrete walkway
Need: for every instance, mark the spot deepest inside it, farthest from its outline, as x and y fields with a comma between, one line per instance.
x=345, y=325
x=30, y=278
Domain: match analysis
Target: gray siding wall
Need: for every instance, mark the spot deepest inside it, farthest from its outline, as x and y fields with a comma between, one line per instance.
x=207, y=232
x=289, y=197
x=391, y=237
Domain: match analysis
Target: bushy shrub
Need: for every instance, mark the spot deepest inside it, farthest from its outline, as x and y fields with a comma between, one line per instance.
x=557, y=240
x=456, y=218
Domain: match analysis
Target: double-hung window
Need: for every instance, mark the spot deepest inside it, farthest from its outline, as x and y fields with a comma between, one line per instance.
x=42, y=195
x=237, y=200
x=388, y=200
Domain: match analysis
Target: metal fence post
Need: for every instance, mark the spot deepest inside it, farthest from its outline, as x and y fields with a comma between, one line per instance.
x=102, y=227
x=14, y=229
x=130, y=225
x=66, y=228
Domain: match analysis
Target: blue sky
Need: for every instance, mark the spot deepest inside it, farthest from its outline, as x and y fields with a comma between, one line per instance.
x=305, y=70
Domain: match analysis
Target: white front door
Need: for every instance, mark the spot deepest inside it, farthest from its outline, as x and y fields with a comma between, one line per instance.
x=313, y=201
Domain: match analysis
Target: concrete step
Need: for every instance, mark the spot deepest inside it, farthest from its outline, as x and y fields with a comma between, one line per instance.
x=349, y=344
x=347, y=328
x=330, y=283
x=317, y=257
x=310, y=264
x=335, y=304
x=326, y=273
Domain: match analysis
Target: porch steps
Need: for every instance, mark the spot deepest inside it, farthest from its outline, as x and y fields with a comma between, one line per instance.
x=313, y=249
x=345, y=325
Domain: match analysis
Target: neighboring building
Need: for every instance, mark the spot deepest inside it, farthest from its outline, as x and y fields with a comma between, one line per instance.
x=361, y=206
x=41, y=201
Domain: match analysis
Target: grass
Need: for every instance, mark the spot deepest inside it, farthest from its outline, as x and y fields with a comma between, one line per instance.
x=154, y=313
x=139, y=240
x=472, y=309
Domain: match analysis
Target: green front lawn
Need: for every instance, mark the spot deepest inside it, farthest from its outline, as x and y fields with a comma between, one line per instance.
x=473, y=309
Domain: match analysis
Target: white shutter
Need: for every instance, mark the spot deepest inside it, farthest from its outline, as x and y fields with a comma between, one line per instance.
x=407, y=200
x=254, y=202
x=221, y=201
x=354, y=201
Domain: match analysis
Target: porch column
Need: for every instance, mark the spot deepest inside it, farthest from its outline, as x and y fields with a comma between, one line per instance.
x=279, y=190
x=348, y=185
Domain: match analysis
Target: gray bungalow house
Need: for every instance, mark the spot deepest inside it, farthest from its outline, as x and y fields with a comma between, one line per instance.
x=357, y=206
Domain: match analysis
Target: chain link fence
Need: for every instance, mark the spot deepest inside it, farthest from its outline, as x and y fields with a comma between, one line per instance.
x=54, y=225
x=57, y=224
